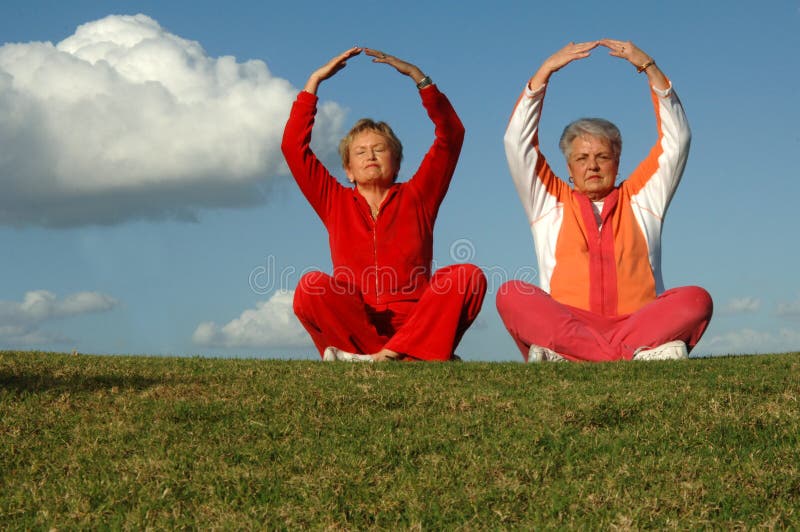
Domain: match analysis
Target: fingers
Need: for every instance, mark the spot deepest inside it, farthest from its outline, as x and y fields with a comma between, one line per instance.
x=341, y=60
x=571, y=52
x=625, y=50
x=582, y=46
x=617, y=48
x=579, y=50
x=404, y=67
x=347, y=54
x=620, y=48
x=378, y=56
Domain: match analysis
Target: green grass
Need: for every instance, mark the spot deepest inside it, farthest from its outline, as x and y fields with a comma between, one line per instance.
x=141, y=442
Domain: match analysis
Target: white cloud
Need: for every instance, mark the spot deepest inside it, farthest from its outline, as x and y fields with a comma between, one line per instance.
x=125, y=120
x=271, y=324
x=750, y=341
x=740, y=305
x=20, y=322
x=789, y=309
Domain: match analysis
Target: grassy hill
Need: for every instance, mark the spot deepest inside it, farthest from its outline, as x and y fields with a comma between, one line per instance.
x=138, y=442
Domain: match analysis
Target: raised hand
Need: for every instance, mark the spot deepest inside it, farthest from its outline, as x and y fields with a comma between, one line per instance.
x=401, y=66
x=626, y=50
x=560, y=59
x=329, y=69
x=638, y=58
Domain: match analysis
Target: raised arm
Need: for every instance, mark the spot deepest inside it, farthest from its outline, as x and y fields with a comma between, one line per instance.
x=314, y=180
x=655, y=179
x=433, y=176
x=530, y=172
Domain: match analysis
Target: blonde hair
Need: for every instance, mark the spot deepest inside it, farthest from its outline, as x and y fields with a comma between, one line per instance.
x=381, y=128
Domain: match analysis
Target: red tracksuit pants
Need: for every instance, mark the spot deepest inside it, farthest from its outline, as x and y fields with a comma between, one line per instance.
x=532, y=316
x=427, y=329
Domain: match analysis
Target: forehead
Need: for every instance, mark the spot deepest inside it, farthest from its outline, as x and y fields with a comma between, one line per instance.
x=590, y=144
x=368, y=137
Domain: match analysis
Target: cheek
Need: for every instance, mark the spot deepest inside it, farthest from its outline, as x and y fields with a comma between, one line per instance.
x=573, y=169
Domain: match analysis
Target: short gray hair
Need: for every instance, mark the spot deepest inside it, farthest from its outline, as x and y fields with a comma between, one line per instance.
x=595, y=127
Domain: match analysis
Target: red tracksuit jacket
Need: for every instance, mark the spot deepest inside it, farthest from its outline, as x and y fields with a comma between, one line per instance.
x=386, y=259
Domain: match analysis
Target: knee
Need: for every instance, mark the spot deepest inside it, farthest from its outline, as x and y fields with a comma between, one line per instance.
x=698, y=299
x=313, y=283
x=464, y=278
x=508, y=295
x=475, y=278
x=703, y=301
x=311, y=286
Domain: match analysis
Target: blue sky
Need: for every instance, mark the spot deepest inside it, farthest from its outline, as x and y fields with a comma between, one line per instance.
x=145, y=207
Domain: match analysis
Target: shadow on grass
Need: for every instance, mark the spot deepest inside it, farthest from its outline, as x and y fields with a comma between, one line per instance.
x=74, y=383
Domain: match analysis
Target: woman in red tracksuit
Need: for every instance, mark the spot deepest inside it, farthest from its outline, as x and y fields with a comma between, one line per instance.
x=382, y=302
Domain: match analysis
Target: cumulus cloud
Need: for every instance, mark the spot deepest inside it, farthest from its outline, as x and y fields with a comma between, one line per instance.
x=740, y=305
x=750, y=341
x=125, y=120
x=271, y=324
x=20, y=322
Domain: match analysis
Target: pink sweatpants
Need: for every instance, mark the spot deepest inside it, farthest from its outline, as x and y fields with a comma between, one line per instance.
x=532, y=316
x=427, y=329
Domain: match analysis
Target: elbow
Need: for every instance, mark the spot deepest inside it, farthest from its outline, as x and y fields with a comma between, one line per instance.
x=457, y=129
x=455, y=135
x=686, y=139
x=459, y=133
x=512, y=140
x=508, y=139
x=285, y=143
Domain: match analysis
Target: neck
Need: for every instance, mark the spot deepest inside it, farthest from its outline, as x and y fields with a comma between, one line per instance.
x=373, y=193
x=597, y=196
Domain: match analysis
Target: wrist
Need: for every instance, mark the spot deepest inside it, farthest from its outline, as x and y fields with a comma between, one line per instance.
x=650, y=62
x=312, y=85
x=424, y=82
x=537, y=81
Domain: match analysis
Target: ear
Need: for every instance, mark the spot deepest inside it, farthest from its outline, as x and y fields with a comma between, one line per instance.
x=350, y=176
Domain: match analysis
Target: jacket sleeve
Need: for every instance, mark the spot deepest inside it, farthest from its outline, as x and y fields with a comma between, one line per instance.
x=655, y=180
x=433, y=176
x=538, y=187
x=314, y=180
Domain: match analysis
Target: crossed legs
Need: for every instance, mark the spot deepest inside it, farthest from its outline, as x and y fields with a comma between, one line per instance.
x=427, y=329
x=533, y=317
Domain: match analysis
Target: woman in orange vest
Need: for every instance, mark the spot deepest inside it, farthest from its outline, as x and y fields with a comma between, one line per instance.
x=598, y=244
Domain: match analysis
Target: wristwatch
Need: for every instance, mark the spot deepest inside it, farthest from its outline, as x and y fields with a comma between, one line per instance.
x=424, y=82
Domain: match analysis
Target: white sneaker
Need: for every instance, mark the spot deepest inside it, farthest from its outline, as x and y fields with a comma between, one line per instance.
x=333, y=354
x=538, y=353
x=675, y=350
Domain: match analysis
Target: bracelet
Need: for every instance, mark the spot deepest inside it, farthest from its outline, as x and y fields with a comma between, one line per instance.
x=424, y=82
x=645, y=66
